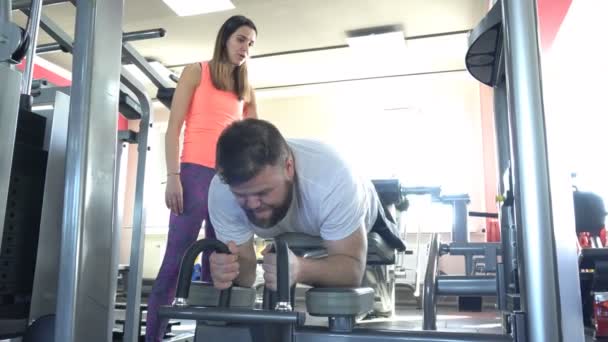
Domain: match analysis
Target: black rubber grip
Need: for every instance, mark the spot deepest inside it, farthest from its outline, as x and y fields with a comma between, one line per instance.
x=187, y=265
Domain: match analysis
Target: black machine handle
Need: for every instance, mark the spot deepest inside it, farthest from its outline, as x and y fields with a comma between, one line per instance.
x=283, y=272
x=187, y=265
x=281, y=299
x=482, y=214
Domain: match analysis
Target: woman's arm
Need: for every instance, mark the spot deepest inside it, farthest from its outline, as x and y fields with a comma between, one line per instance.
x=180, y=104
x=251, y=107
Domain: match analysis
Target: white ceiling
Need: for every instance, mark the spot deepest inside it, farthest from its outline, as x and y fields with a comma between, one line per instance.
x=288, y=25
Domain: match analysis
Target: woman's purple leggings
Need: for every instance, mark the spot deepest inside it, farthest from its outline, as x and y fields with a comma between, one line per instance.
x=183, y=231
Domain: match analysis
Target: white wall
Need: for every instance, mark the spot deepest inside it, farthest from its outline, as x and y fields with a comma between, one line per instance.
x=425, y=130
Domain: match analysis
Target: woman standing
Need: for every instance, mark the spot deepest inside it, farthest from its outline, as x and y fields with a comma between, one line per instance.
x=209, y=96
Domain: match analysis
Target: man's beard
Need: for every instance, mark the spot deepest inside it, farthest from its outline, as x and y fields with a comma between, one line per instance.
x=278, y=213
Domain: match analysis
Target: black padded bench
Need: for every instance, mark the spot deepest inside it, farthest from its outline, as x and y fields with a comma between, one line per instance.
x=382, y=242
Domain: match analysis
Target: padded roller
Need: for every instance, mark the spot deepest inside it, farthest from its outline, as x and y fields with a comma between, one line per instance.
x=204, y=294
x=378, y=251
x=389, y=190
x=329, y=302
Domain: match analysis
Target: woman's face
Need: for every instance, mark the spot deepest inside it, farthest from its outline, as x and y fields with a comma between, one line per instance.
x=239, y=44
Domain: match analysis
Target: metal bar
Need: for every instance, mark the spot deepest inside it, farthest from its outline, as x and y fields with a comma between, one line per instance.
x=501, y=128
x=187, y=265
x=5, y=11
x=33, y=24
x=132, y=314
x=503, y=152
x=44, y=293
x=482, y=214
x=314, y=334
x=131, y=54
x=9, y=112
x=502, y=290
x=64, y=41
x=85, y=302
x=283, y=287
x=25, y=4
x=429, y=319
x=468, y=264
x=57, y=33
x=540, y=291
x=67, y=44
x=471, y=248
x=466, y=285
x=421, y=190
x=232, y=315
x=48, y=48
x=460, y=229
x=143, y=35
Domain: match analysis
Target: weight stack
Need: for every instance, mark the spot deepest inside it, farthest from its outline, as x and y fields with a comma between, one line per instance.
x=22, y=220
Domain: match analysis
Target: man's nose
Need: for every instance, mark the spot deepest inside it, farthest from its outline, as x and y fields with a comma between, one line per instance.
x=253, y=202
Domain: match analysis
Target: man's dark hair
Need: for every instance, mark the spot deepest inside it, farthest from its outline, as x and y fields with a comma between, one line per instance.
x=246, y=147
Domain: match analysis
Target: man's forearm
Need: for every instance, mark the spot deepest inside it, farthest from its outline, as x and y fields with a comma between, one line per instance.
x=334, y=270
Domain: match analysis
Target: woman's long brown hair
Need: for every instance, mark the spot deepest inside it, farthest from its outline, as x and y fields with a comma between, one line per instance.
x=224, y=75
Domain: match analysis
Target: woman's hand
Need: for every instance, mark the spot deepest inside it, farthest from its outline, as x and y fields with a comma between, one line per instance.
x=174, y=195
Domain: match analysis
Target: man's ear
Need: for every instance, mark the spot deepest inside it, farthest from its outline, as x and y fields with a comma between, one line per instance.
x=290, y=167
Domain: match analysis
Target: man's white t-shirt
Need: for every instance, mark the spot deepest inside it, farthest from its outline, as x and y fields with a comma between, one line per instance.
x=330, y=200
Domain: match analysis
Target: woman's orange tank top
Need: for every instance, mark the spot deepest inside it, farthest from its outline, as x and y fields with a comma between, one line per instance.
x=211, y=110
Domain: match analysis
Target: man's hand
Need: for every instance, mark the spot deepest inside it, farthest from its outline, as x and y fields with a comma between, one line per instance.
x=224, y=267
x=270, y=268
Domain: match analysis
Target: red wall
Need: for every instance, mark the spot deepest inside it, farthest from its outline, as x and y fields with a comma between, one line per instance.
x=551, y=14
x=60, y=81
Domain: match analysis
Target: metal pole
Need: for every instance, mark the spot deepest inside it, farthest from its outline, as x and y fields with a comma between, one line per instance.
x=126, y=37
x=132, y=55
x=33, y=24
x=541, y=301
x=9, y=111
x=5, y=11
x=85, y=301
x=460, y=229
x=44, y=290
x=55, y=32
x=429, y=298
x=503, y=151
x=466, y=285
x=143, y=35
x=501, y=127
x=48, y=48
x=132, y=318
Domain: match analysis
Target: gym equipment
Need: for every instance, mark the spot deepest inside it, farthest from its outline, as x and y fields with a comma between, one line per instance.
x=590, y=215
x=503, y=53
x=126, y=37
x=469, y=287
x=165, y=88
x=15, y=42
x=39, y=290
x=341, y=307
x=538, y=267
